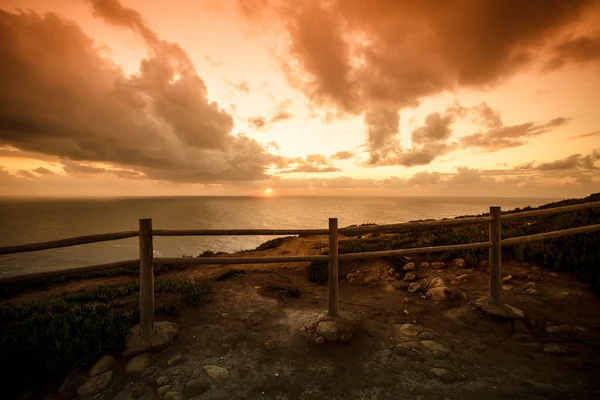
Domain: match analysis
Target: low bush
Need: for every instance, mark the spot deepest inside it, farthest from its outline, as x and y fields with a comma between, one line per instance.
x=273, y=243
x=318, y=272
x=232, y=273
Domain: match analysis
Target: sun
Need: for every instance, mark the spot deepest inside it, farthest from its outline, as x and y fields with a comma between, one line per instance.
x=268, y=191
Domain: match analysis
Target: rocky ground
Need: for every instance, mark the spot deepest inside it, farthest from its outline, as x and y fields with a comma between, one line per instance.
x=418, y=335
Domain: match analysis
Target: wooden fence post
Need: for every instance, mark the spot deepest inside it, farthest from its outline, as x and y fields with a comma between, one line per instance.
x=333, y=268
x=495, y=260
x=146, y=279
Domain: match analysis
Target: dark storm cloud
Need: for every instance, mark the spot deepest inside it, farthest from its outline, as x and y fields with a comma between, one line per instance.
x=379, y=56
x=68, y=101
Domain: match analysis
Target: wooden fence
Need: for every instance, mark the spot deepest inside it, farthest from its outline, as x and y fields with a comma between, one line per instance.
x=146, y=260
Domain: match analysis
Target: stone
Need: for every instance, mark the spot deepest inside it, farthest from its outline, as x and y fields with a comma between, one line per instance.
x=438, y=265
x=529, y=287
x=72, y=379
x=535, y=271
x=369, y=279
x=424, y=264
x=508, y=288
x=196, y=387
x=409, y=276
x=436, y=282
x=439, y=293
x=176, y=359
x=150, y=371
x=96, y=384
x=335, y=329
x=506, y=278
x=426, y=336
x=435, y=346
x=554, y=275
x=162, y=380
x=560, y=330
x=553, y=349
x=161, y=391
x=483, y=263
x=164, y=333
x=409, y=267
x=413, y=287
x=173, y=396
x=505, y=312
x=410, y=345
x=105, y=363
x=460, y=263
x=320, y=340
x=461, y=277
x=138, y=364
x=439, y=371
x=218, y=374
x=409, y=329
x=270, y=345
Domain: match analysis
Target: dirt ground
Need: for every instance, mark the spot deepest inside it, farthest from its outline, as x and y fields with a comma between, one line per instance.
x=554, y=353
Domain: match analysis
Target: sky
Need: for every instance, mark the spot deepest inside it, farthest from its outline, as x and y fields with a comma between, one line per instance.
x=302, y=97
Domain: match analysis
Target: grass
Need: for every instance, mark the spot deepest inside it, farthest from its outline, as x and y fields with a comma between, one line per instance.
x=232, y=273
x=273, y=243
x=46, y=338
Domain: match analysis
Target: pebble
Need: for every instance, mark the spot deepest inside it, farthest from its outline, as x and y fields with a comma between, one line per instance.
x=507, y=287
x=320, y=340
x=270, y=345
x=173, y=396
x=506, y=278
x=440, y=371
x=409, y=267
x=438, y=265
x=196, y=387
x=435, y=346
x=162, y=390
x=553, y=349
x=162, y=380
x=218, y=374
x=439, y=293
x=426, y=336
x=176, y=359
x=409, y=276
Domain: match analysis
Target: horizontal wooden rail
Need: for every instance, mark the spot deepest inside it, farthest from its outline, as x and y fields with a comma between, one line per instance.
x=74, y=241
x=69, y=271
x=550, y=211
x=417, y=250
x=550, y=235
x=413, y=225
x=237, y=232
x=237, y=260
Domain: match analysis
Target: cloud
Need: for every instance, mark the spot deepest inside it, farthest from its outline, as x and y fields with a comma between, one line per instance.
x=281, y=113
x=44, y=171
x=242, y=86
x=257, y=122
x=585, y=135
x=510, y=136
x=578, y=50
x=70, y=102
x=312, y=163
x=281, y=116
x=310, y=168
x=342, y=155
x=573, y=162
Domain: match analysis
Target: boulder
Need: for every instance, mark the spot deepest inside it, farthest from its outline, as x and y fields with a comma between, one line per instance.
x=439, y=293
x=138, y=364
x=105, y=363
x=96, y=384
x=164, y=333
x=335, y=329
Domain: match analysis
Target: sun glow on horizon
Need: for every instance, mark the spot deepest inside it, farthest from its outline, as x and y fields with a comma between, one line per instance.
x=268, y=192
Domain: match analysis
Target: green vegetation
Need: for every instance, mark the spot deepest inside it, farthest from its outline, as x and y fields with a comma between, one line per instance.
x=318, y=272
x=48, y=337
x=232, y=273
x=273, y=243
x=209, y=253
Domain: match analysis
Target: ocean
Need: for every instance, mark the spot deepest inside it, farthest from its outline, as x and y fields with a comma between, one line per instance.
x=35, y=220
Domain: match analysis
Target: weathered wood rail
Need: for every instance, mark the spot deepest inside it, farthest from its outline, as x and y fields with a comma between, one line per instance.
x=146, y=260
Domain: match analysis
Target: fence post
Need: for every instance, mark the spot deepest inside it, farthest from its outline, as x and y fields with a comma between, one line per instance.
x=146, y=279
x=333, y=268
x=495, y=261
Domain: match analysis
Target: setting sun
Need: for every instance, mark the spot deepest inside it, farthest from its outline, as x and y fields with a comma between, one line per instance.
x=268, y=191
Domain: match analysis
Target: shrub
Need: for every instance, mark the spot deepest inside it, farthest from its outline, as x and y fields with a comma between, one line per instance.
x=273, y=243
x=318, y=272
x=230, y=274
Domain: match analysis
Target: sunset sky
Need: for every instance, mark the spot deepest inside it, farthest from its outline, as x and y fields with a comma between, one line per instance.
x=224, y=97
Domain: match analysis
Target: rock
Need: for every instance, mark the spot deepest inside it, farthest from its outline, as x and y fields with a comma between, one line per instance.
x=414, y=287
x=96, y=384
x=164, y=333
x=196, y=387
x=426, y=336
x=409, y=267
x=390, y=271
x=560, y=330
x=461, y=277
x=173, y=396
x=320, y=340
x=436, y=282
x=335, y=329
x=554, y=275
x=105, y=363
x=459, y=263
x=409, y=276
x=138, y=364
x=409, y=329
x=72, y=380
x=424, y=264
x=506, y=278
x=162, y=380
x=507, y=287
x=150, y=371
x=553, y=349
x=439, y=371
x=438, y=265
x=176, y=359
x=439, y=293
x=410, y=345
x=505, y=312
x=353, y=277
x=369, y=279
x=160, y=392
x=530, y=287
x=218, y=374
x=270, y=345
x=435, y=346
x=535, y=271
